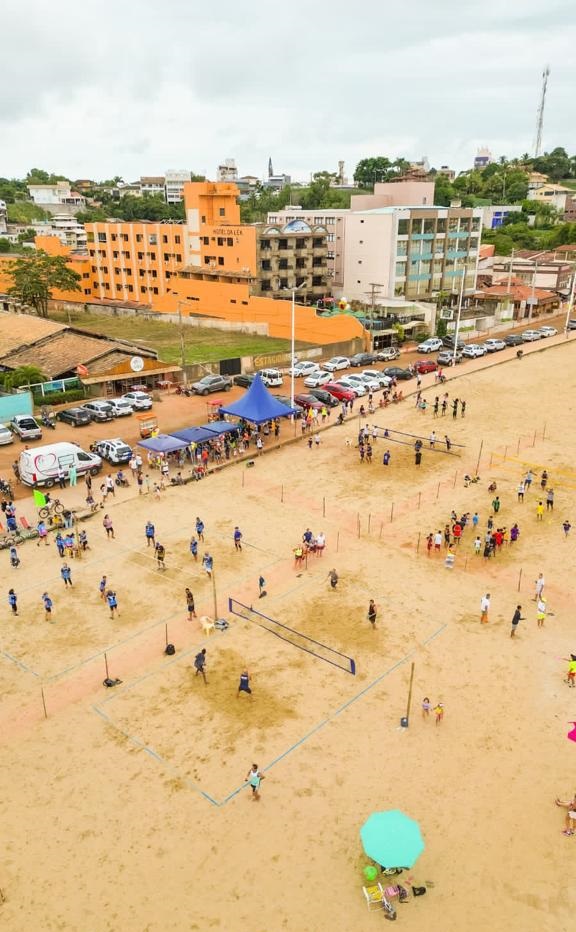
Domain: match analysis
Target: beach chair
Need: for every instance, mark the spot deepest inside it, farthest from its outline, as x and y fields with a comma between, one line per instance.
x=207, y=624
x=25, y=524
x=373, y=896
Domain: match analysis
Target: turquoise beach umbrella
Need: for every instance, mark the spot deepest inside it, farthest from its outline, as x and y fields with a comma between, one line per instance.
x=392, y=839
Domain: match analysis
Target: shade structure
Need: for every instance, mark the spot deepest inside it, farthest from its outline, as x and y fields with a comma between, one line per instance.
x=392, y=839
x=220, y=427
x=258, y=404
x=194, y=434
x=163, y=443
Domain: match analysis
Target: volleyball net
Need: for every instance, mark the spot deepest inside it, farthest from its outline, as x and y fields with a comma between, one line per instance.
x=296, y=638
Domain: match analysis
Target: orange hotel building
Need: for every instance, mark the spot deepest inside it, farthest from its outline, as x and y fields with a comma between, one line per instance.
x=203, y=266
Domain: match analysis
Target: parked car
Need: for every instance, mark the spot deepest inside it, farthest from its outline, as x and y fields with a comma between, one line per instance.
x=272, y=378
x=371, y=385
x=212, y=383
x=121, y=407
x=431, y=345
x=388, y=353
x=26, y=427
x=316, y=379
x=140, y=401
x=337, y=362
x=356, y=387
x=6, y=435
x=423, y=366
x=383, y=380
x=308, y=401
x=340, y=392
x=324, y=396
x=472, y=350
x=243, y=380
x=447, y=357
x=99, y=410
x=547, y=331
x=529, y=336
x=363, y=359
x=303, y=368
x=78, y=417
x=286, y=401
x=395, y=372
x=514, y=339
x=448, y=341
x=114, y=451
x=41, y=465
x=571, y=325
x=493, y=345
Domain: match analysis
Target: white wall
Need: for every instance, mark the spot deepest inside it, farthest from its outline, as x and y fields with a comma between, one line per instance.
x=370, y=255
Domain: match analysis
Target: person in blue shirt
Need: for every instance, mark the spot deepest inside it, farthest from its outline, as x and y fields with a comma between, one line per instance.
x=59, y=541
x=13, y=601
x=66, y=574
x=200, y=664
x=200, y=529
x=112, y=602
x=261, y=587
x=237, y=538
x=194, y=548
x=47, y=605
x=244, y=685
x=14, y=558
x=150, y=534
x=208, y=563
x=386, y=458
x=307, y=536
x=102, y=587
x=11, y=522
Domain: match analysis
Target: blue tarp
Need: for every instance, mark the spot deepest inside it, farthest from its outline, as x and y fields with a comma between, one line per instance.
x=194, y=434
x=220, y=427
x=163, y=443
x=257, y=404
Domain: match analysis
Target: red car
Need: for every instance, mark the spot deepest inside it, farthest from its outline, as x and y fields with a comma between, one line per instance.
x=425, y=365
x=339, y=392
x=308, y=401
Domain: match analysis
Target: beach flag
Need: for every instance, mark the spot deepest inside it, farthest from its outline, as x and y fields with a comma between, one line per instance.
x=39, y=499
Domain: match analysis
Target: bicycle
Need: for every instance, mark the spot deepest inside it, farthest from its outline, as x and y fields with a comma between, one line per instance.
x=13, y=538
x=54, y=507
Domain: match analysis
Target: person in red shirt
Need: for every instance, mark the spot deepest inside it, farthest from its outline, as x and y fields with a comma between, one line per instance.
x=499, y=537
x=457, y=532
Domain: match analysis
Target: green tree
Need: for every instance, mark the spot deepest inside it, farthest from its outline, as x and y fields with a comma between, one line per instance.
x=5, y=244
x=35, y=277
x=25, y=375
x=370, y=171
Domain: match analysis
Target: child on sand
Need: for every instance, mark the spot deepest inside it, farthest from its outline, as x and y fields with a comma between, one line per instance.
x=439, y=712
x=426, y=706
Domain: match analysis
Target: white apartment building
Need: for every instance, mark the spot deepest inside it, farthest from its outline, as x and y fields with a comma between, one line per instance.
x=57, y=198
x=397, y=239
x=227, y=171
x=174, y=185
x=554, y=194
x=3, y=217
x=69, y=231
x=152, y=184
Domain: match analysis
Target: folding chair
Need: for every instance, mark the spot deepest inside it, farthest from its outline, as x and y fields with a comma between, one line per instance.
x=25, y=524
x=373, y=896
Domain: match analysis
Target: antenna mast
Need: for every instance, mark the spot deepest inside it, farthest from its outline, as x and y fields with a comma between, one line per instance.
x=540, y=117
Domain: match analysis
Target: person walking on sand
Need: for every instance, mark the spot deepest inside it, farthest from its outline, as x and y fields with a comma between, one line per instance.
x=200, y=529
x=112, y=602
x=541, y=611
x=47, y=606
x=429, y=543
x=237, y=538
x=520, y=491
x=200, y=665
x=66, y=574
x=386, y=458
x=102, y=588
x=194, y=548
x=539, y=586
x=550, y=500
x=261, y=587
x=566, y=528
x=539, y=511
x=496, y=505
x=462, y=408
x=190, y=604
x=516, y=619
x=108, y=526
x=150, y=533
x=570, y=806
x=254, y=778
x=484, y=607
x=439, y=712
x=426, y=706
x=244, y=684
x=372, y=612
x=477, y=545
x=333, y=577
x=208, y=564
x=160, y=552
x=13, y=601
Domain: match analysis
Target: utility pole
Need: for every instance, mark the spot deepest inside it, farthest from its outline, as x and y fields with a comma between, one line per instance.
x=182, y=347
x=540, y=115
x=373, y=294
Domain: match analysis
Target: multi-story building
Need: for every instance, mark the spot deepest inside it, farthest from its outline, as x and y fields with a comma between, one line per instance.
x=57, y=198
x=152, y=185
x=495, y=215
x=69, y=231
x=290, y=256
x=537, y=269
x=482, y=159
x=554, y=194
x=334, y=222
x=227, y=171
x=3, y=217
x=174, y=185
x=447, y=172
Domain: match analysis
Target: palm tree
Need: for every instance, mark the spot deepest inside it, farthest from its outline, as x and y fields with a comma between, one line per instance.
x=25, y=375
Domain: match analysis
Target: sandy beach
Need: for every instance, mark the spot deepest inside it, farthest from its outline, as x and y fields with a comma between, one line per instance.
x=126, y=808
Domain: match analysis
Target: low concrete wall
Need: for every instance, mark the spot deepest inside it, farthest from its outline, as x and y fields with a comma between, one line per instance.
x=118, y=310
x=10, y=405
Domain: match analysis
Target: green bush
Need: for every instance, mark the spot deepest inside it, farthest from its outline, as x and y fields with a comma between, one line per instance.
x=60, y=398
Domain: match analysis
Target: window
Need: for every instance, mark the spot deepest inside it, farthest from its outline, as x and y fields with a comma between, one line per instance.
x=153, y=239
x=130, y=288
x=176, y=239
x=140, y=256
x=300, y=244
x=142, y=273
x=166, y=256
x=155, y=290
x=115, y=254
x=206, y=240
x=282, y=244
x=402, y=248
x=265, y=286
x=441, y=225
x=220, y=240
x=264, y=244
x=128, y=271
x=220, y=260
x=113, y=237
x=126, y=254
x=330, y=238
x=266, y=265
x=125, y=237
x=94, y=269
x=229, y=241
x=168, y=275
x=102, y=237
x=105, y=269
x=283, y=282
x=429, y=226
x=178, y=257
x=117, y=271
x=164, y=238
x=86, y=274
x=283, y=264
x=330, y=220
x=452, y=224
x=203, y=219
x=95, y=285
x=402, y=227
x=87, y=291
x=139, y=237
x=154, y=273
x=417, y=224
x=400, y=269
x=222, y=211
x=319, y=220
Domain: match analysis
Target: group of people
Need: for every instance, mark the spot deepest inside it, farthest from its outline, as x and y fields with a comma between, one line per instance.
x=311, y=543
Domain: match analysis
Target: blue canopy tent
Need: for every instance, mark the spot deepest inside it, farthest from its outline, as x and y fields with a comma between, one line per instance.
x=258, y=405
x=163, y=443
x=194, y=434
x=220, y=427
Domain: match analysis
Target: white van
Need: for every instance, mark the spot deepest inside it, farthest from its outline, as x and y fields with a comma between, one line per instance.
x=272, y=377
x=40, y=465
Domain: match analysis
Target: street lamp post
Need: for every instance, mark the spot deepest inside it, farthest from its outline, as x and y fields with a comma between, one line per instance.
x=570, y=303
x=458, y=317
x=293, y=335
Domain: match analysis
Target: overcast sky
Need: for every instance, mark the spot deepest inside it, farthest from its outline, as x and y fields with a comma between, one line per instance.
x=131, y=88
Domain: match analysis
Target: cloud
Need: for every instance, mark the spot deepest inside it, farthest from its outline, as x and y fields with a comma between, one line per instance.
x=135, y=88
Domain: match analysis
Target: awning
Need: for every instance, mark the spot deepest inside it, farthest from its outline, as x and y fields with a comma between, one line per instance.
x=124, y=376
x=220, y=427
x=194, y=434
x=163, y=443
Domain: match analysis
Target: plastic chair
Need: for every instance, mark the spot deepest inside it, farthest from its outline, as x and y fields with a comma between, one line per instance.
x=373, y=896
